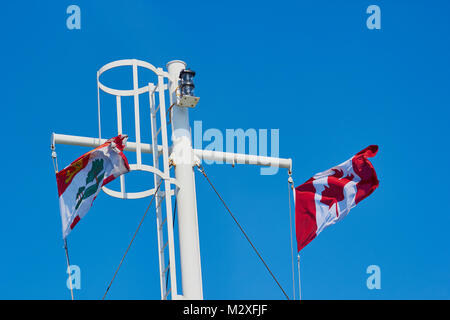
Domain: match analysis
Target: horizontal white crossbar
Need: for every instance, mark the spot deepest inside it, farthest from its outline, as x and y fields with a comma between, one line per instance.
x=227, y=157
x=240, y=158
x=94, y=142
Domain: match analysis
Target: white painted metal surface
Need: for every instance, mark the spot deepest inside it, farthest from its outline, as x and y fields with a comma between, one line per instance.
x=94, y=142
x=238, y=158
x=182, y=157
x=160, y=170
x=227, y=157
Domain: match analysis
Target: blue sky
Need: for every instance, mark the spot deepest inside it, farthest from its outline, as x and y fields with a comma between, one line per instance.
x=311, y=69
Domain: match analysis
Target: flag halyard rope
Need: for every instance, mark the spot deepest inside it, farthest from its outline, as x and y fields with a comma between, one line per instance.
x=68, y=267
x=66, y=250
x=290, y=185
x=299, y=284
x=202, y=170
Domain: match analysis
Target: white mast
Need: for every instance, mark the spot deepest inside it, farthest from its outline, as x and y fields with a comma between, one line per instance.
x=183, y=160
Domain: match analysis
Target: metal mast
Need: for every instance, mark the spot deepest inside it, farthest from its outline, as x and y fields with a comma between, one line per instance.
x=183, y=160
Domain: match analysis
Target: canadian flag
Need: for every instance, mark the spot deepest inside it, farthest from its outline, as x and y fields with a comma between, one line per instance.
x=328, y=196
x=81, y=181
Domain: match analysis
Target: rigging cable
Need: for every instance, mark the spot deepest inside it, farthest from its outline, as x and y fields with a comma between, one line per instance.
x=299, y=284
x=68, y=267
x=132, y=239
x=202, y=170
x=290, y=185
x=55, y=166
x=291, y=182
x=173, y=226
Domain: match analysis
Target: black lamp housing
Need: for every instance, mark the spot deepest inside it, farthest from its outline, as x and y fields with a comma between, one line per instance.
x=186, y=83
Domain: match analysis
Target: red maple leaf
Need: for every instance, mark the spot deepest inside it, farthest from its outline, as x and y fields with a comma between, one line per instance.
x=334, y=191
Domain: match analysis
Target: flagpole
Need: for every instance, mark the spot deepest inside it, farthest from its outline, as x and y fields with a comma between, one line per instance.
x=68, y=267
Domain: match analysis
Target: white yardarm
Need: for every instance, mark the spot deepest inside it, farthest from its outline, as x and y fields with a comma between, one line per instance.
x=236, y=141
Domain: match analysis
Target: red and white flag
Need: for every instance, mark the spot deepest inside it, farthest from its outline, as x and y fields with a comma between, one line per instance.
x=81, y=181
x=328, y=196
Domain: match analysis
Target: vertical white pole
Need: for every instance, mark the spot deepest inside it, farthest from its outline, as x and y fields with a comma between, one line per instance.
x=183, y=158
x=137, y=122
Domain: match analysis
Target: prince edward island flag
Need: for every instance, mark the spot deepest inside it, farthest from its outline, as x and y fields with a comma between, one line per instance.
x=81, y=181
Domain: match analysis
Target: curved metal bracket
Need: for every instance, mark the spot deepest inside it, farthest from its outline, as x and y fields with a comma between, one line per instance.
x=142, y=194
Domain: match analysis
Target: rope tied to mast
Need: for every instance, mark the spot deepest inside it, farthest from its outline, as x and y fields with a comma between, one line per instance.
x=202, y=170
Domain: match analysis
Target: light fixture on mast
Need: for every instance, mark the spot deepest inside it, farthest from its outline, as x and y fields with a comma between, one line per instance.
x=187, y=98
